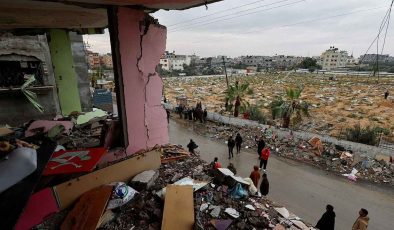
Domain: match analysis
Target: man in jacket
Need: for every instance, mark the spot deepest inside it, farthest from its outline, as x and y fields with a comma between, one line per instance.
x=230, y=145
x=238, y=142
x=362, y=221
x=192, y=146
x=327, y=221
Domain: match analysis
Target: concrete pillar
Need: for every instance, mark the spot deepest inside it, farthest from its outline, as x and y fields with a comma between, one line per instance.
x=65, y=75
x=137, y=44
x=81, y=68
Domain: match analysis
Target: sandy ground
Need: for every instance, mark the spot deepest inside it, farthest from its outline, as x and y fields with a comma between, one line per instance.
x=334, y=104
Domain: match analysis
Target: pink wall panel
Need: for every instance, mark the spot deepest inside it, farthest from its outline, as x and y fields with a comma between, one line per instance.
x=146, y=118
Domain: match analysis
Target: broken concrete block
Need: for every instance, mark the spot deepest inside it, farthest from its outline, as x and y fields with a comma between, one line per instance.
x=144, y=180
x=232, y=212
x=215, y=212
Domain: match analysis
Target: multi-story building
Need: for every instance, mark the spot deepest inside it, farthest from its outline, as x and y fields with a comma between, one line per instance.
x=93, y=59
x=257, y=61
x=333, y=58
x=171, y=61
x=106, y=60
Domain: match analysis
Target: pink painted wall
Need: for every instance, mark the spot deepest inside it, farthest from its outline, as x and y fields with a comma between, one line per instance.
x=146, y=118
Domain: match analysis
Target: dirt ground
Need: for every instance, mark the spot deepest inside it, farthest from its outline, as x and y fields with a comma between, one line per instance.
x=334, y=104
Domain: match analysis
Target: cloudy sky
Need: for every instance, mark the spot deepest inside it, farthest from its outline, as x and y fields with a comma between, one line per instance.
x=268, y=27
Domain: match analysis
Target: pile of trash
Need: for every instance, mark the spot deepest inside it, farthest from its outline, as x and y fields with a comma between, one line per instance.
x=219, y=200
x=329, y=157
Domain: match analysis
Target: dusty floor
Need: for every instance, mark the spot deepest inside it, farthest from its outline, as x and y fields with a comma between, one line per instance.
x=334, y=104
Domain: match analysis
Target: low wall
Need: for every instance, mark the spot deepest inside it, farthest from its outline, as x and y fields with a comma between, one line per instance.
x=357, y=148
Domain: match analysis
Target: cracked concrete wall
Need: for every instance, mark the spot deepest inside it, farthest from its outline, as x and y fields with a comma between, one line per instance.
x=14, y=106
x=141, y=44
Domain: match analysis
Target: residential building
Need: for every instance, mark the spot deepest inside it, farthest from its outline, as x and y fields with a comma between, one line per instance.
x=333, y=58
x=171, y=61
x=93, y=59
x=106, y=60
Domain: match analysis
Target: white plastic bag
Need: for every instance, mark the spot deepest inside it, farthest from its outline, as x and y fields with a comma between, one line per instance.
x=121, y=194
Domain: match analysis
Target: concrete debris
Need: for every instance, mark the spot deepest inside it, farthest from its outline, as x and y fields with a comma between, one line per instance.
x=215, y=211
x=144, y=180
x=232, y=212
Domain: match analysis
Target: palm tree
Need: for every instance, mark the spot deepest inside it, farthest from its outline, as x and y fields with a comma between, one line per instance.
x=291, y=108
x=235, y=94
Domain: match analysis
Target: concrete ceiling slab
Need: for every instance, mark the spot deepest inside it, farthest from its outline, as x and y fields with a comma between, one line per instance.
x=76, y=13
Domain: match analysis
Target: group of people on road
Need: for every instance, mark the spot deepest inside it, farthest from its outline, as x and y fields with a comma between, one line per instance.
x=193, y=113
x=326, y=222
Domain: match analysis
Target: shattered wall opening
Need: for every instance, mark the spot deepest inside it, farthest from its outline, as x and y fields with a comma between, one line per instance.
x=13, y=67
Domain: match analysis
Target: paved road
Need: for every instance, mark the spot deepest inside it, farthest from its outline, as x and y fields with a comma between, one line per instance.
x=303, y=189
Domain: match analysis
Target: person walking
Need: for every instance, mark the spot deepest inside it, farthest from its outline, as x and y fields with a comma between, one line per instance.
x=265, y=185
x=327, y=221
x=362, y=221
x=192, y=146
x=386, y=94
x=232, y=168
x=238, y=142
x=265, y=154
x=230, y=145
x=168, y=116
x=260, y=146
x=255, y=175
x=205, y=115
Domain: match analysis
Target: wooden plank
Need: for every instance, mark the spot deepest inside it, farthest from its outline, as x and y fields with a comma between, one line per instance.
x=68, y=192
x=88, y=210
x=178, y=208
x=14, y=199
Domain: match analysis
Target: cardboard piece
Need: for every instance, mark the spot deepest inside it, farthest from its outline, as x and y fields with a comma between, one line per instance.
x=47, y=125
x=68, y=192
x=88, y=210
x=41, y=205
x=74, y=161
x=85, y=118
x=179, y=200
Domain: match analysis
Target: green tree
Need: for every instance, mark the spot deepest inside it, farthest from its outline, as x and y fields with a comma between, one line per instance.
x=291, y=108
x=310, y=64
x=235, y=94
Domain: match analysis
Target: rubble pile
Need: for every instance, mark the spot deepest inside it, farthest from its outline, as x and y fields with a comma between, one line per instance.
x=171, y=152
x=333, y=158
x=212, y=203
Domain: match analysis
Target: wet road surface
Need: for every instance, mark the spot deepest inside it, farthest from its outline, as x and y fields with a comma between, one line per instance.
x=303, y=189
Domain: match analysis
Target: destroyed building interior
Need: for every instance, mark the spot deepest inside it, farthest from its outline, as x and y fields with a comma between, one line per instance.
x=66, y=165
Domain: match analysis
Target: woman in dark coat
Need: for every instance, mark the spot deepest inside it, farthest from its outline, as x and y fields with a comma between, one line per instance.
x=265, y=185
x=327, y=221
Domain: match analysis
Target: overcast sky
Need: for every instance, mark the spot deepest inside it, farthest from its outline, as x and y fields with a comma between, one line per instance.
x=268, y=27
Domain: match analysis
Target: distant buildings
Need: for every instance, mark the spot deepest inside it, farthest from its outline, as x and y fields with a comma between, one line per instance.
x=281, y=62
x=171, y=61
x=96, y=61
x=333, y=58
x=106, y=61
x=93, y=59
x=371, y=58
